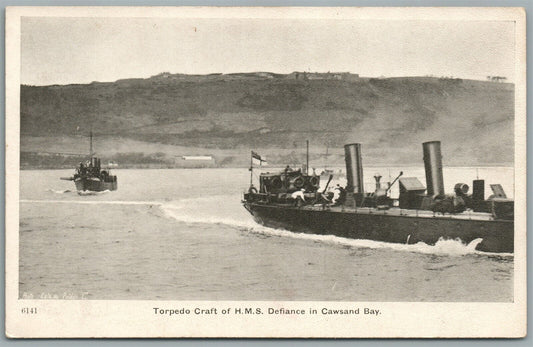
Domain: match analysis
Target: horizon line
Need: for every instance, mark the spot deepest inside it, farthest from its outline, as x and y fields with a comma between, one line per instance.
x=502, y=78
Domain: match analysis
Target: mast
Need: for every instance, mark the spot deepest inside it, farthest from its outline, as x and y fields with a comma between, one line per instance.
x=326, y=164
x=307, y=158
x=251, y=166
x=91, y=143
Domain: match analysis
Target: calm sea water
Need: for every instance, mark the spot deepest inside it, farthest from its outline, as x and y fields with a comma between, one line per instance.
x=183, y=235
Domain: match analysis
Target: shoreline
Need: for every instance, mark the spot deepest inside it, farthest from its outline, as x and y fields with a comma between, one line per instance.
x=166, y=167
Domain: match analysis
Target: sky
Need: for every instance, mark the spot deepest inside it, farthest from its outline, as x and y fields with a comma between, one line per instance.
x=65, y=50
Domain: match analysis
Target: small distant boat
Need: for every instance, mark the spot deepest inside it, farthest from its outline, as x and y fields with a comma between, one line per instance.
x=90, y=176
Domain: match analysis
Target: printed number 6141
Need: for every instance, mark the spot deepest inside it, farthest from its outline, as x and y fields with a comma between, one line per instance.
x=29, y=310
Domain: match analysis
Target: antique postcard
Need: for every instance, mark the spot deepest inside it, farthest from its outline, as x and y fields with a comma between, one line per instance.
x=265, y=172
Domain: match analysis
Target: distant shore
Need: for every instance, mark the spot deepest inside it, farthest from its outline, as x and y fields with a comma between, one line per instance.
x=272, y=168
x=156, y=122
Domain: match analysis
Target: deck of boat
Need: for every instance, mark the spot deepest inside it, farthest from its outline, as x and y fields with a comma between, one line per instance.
x=393, y=211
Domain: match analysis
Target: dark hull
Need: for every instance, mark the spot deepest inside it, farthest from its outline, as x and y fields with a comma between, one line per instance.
x=95, y=185
x=387, y=226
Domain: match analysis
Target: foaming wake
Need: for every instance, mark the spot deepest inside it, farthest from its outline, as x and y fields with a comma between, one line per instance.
x=226, y=210
x=90, y=192
x=80, y=192
x=457, y=247
x=442, y=247
x=211, y=210
x=92, y=202
x=59, y=191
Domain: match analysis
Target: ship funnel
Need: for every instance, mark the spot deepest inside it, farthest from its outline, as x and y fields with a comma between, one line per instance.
x=433, y=166
x=354, y=168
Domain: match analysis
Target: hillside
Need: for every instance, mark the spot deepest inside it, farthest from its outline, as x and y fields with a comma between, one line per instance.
x=156, y=120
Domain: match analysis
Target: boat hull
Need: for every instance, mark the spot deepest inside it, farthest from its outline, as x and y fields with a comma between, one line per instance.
x=95, y=185
x=497, y=235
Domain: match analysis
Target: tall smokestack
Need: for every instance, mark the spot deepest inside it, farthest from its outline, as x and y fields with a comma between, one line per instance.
x=478, y=190
x=354, y=168
x=433, y=166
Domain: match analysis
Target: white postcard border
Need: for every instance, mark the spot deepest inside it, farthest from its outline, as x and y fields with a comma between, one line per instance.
x=124, y=318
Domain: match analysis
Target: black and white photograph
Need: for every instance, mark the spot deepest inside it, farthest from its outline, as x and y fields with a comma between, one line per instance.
x=265, y=172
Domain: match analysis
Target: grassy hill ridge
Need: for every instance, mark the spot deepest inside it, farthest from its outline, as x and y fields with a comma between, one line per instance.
x=227, y=115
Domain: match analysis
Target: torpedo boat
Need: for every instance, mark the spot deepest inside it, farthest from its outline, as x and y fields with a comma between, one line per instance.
x=291, y=200
x=91, y=176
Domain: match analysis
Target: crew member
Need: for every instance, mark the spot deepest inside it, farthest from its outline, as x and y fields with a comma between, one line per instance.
x=252, y=189
x=299, y=196
x=342, y=196
x=336, y=194
x=459, y=200
x=325, y=199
